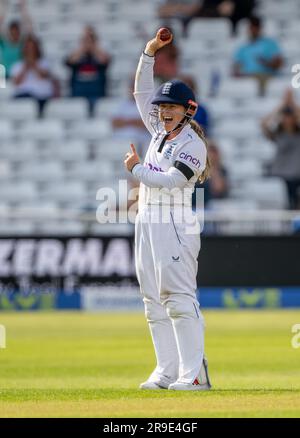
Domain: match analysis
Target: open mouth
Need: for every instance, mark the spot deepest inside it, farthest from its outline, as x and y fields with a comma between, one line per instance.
x=168, y=119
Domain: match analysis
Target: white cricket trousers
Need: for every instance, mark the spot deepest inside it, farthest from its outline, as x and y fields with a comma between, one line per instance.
x=166, y=265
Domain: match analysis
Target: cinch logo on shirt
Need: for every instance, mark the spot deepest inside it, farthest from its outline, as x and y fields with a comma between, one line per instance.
x=167, y=87
x=154, y=168
x=191, y=159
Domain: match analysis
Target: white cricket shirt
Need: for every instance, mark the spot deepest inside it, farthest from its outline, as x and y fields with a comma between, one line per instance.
x=158, y=170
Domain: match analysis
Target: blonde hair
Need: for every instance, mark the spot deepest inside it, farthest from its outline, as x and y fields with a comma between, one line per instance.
x=199, y=131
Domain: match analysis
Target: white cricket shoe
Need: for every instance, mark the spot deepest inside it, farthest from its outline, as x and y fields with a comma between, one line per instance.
x=177, y=386
x=201, y=383
x=153, y=385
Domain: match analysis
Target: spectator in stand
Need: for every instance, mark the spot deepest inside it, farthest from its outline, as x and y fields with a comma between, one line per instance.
x=32, y=76
x=234, y=10
x=202, y=116
x=282, y=127
x=127, y=123
x=88, y=66
x=11, y=41
x=217, y=186
x=260, y=57
x=167, y=62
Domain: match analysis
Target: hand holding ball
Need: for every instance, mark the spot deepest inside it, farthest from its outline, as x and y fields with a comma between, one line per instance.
x=162, y=38
x=164, y=34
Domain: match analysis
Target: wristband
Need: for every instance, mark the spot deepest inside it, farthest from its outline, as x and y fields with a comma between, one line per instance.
x=150, y=56
x=134, y=167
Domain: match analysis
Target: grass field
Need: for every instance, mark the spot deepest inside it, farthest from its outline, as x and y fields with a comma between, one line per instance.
x=90, y=365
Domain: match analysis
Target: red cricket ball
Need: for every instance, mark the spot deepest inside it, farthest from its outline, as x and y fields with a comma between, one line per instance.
x=164, y=34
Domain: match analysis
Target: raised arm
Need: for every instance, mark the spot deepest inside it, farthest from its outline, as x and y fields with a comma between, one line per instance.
x=3, y=7
x=144, y=84
x=269, y=122
x=26, y=18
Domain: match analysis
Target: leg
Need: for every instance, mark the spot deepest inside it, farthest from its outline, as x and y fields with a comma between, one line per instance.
x=91, y=105
x=159, y=324
x=188, y=326
x=292, y=188
x=41, y=106
x=177, y=262
x=164, y=343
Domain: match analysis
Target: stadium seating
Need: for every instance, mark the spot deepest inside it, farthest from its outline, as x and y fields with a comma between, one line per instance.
x=14, y=192
x=14, y=152
x=277, y=87
x=61, y=228
x=238, y=128
x=6, y=130
x=105, y=108
x=268, y=193
x=64, y=157
x=238, y=88
x=91, y=129
x=72, y=192
x=47, y=171
x=209, y=29
x=42, y=130
x=17, y=227
x=67, y=109
x=72, y=150
x=18, y=110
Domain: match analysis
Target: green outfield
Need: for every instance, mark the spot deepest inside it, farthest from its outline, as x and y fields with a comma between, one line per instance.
x=90, y=365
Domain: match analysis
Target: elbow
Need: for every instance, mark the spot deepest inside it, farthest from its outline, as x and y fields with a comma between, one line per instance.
x=172, y=184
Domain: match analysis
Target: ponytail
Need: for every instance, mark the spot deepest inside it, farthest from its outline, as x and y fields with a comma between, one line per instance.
x=199, y=131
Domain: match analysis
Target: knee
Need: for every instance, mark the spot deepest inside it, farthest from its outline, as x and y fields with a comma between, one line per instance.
x=182, y=307
x=154, y=311
x=176, y=309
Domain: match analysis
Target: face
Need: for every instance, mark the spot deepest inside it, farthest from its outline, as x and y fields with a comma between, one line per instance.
x=88, y=38
x=14, y=33
x=170, y=115
x=254, y=31
x=289, y=121
x=30, y=50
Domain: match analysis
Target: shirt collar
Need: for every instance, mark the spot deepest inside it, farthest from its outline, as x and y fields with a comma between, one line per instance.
x=183, y=132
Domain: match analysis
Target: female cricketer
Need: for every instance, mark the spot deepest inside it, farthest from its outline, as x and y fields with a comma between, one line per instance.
x=165, y=253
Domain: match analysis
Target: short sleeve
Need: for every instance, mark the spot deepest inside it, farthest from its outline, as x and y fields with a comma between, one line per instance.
x=272, y=48
x=238, y=55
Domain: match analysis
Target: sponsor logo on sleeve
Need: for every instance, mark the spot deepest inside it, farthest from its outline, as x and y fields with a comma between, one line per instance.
x=154, y=168
x=190, y=159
